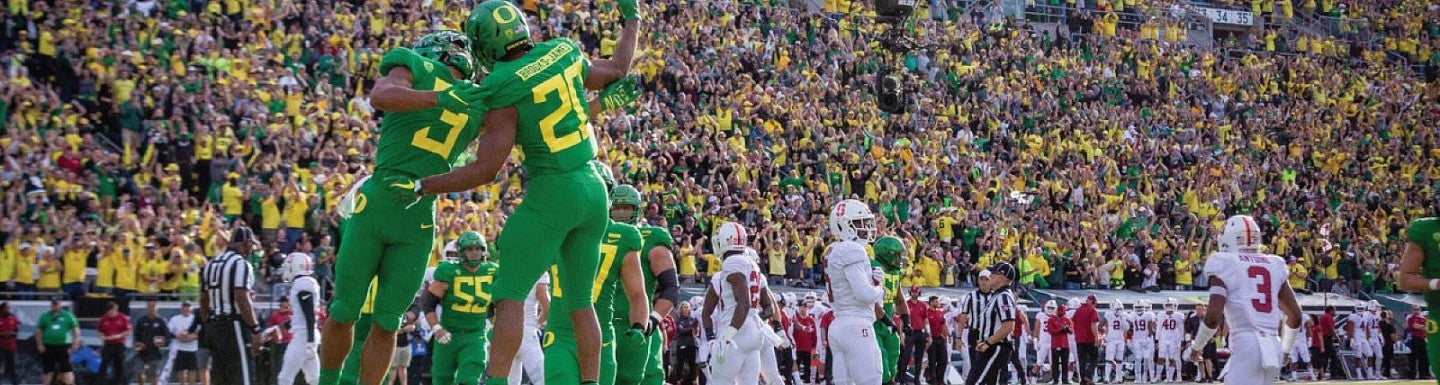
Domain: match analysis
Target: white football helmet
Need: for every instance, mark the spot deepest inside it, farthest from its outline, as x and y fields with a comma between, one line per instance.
x=753, y=255
x=1241, y=234
x=730, y=236
x=1142, y=306
x=1374, y=306
x=451, y=254
x=1117, y=306
x=1051, y=307
x=1171, y=305
x=851, y=220
x=296, y=264
x=1073, y=303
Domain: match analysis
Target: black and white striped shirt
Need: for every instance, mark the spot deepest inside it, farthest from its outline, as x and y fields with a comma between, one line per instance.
x=988, y=311
x=221, y=275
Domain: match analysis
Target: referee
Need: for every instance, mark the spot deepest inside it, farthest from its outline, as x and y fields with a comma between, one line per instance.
x=226, y=311
x=991, y=322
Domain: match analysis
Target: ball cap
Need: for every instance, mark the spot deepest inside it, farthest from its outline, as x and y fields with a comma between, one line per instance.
x=1002, y=269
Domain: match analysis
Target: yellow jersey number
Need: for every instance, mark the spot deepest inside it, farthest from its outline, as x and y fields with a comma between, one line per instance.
x=607, y=259
x=570, y=103
x=452, y=122
x=473, y=291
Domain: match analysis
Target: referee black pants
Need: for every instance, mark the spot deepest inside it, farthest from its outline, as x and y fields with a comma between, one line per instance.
x=229, y=342
x=986, y=366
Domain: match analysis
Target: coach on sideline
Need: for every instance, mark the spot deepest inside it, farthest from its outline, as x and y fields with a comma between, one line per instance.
x=993, y=320
x=227, y=313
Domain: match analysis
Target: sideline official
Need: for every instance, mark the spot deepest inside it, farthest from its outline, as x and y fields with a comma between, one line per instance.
x=992, y=321
x=227, y=313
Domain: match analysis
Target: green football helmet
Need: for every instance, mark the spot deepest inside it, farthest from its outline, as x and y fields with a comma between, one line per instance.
x=449, y=47
x=472, y=240
x=606, y=175
x=890, y=251
x=495, y=28
x=625, y=195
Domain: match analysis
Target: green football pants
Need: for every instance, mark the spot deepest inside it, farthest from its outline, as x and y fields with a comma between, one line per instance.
x=889, y=351
x=384, y=239
x=561, y=222
x=461, y=361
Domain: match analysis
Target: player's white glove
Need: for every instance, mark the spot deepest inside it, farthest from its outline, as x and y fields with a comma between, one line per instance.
x=1193, y=355
x=727, y=335
x=442, y=336
x=877, y=276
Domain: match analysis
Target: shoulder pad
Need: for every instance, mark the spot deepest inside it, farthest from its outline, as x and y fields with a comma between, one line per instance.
x=1216, y=264
x=847, y=253
x=398, y=57
x=658, y=236
x=736, y=264
x=446, y=271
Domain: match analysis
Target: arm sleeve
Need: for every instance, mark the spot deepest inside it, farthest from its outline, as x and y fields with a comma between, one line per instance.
x=858, y=277
x=307, y=308
x=668, y=287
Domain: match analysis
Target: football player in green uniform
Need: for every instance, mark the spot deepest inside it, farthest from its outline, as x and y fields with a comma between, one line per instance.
x=462, y=289
x=890, y=259
x=622, y=241
x=1420, y=273
x=657, y=262
x=424, y=94
x=350, y=375
x=533, y=92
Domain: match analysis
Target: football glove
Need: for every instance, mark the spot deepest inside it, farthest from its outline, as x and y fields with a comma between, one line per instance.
x=629, y=10
x=442, y=336
x=654, y=324
x=634, y=337
x=463, y=97
x=403, y=190
x=619, y=94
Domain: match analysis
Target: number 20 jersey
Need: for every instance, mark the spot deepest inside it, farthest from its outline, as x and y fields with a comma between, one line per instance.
x=547, y=88
x=424, y=142
x=1253, y=281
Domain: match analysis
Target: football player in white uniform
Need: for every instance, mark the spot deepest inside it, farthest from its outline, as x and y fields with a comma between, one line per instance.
x=1377, y=339
x=1251, y=291
x=769, y=367
x=531, y=357
x=855, y=292
x=1116, y=324
x=1300, y=353
x=1358, y=327
x=1142, y=342
x=1042, y=339
x=304, y=298
x=736, y=357
x=1170, y=330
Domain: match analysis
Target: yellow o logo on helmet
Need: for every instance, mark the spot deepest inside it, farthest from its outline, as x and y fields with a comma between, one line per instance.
x=506, y=17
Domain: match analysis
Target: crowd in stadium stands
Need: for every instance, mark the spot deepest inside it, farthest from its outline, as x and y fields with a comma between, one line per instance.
x=136, y=133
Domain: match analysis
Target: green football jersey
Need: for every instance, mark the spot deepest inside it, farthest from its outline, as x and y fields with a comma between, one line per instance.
x=652, y=237
x=468, y=298
x=1425, y=232
x=424, y=142
x=891, y=286
x=620, y=239
x=547, y=87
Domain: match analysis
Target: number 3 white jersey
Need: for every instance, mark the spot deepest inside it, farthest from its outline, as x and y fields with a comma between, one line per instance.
x=1170, y=327
x=737, y=264
x=1253, y=281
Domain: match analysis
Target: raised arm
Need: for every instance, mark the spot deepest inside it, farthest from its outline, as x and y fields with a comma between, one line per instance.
x=605, y=71
x=1410, y=279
